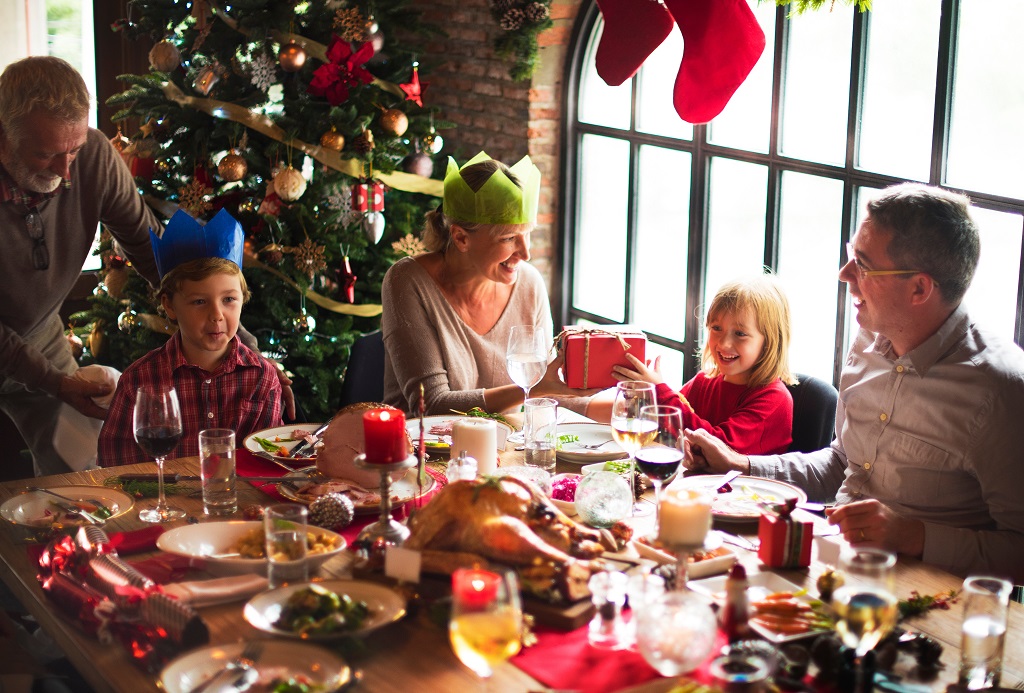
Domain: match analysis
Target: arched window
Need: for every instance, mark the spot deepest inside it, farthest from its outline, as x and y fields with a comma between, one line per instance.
x=660, y=213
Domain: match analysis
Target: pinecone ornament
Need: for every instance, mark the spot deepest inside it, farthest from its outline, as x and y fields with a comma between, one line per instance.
x=332, y=511
x=363, y=142
x=513, y=19
x=537, y=12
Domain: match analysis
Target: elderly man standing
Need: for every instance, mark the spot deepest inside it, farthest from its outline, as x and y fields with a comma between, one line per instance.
x=929, y=431
x=59, y=178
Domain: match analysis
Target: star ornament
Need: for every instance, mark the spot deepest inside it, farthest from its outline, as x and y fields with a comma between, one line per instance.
x=414, y=89
x=344, y=71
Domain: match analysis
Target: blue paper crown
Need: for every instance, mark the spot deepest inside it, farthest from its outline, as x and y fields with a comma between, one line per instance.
x=185, y=239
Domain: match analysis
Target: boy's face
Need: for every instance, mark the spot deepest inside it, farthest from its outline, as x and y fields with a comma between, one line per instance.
x=207, y=312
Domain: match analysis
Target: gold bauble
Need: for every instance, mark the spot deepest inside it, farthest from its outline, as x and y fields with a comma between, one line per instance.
x=120, y=142
x=97, y=340
x=248, y=205
x=289, y=184
x=163, y=165
x=394, y=122
x=233, y=167
x=292, y=57
x=164, y=56
x=115, y=280
x=332, y=139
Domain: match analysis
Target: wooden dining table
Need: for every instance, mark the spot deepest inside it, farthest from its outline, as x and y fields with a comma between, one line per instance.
x=413, y=654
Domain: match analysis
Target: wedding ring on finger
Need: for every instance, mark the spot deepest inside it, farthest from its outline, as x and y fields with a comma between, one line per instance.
x=862, y=535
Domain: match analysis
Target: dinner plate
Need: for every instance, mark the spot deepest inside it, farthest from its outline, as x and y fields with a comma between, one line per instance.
x=210, y=541
x=36, y=509
x=442, y=444
x=748, y=492
x=403, y=490
x=283, y=432
x=761, y=585
x=385, y=606
x=695, y=569
x=279, y=659
x=588, y=434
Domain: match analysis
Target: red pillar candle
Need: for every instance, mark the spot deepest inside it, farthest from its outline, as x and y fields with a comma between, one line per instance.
x=475, y=588
x=384, y=436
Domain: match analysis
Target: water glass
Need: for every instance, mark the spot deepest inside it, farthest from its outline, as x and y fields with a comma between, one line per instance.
x=676, y=632
x=540, y=416
x=607, y=630
x=217, y=471
x=986, y=604
x=285, y=528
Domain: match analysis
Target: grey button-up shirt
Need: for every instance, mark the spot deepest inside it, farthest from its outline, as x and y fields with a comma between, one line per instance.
x=937, y=435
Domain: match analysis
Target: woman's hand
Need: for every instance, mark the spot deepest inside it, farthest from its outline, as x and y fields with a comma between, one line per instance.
x=648, y=373
x=552, y=384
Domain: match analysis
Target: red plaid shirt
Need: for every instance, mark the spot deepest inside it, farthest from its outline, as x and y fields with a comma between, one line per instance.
x=243, y=394
x=10, y=192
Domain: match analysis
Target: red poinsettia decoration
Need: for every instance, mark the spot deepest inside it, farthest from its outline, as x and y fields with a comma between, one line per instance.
x=333, y=79
x=413, y=89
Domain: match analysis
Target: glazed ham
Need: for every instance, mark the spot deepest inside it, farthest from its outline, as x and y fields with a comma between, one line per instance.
x=342, y=441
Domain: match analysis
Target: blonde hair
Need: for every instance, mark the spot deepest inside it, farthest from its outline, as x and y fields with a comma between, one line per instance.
x=198, y=270
x=437, y=235
x=41, y=84
x=767, y=301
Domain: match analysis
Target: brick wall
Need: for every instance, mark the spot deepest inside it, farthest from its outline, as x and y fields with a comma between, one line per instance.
x=507, y=119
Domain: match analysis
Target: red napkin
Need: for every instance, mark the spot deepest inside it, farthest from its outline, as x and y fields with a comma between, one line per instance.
x=566, y=661
x=248, y=464
x=352, y=531
x=136, y=541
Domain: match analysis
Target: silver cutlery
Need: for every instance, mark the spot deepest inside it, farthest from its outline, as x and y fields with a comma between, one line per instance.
x=69, y=506
x=306, y=446
x=238, y=675
x=592, y=446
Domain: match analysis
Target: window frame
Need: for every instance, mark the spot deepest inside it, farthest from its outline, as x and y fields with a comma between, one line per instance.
x=702, y=153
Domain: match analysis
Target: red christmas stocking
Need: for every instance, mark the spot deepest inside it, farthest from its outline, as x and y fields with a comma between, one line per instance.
x=632, y=30
x=721, y=44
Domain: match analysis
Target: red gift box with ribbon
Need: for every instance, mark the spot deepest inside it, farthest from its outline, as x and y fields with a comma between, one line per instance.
x=785, y=541
x=368, y=197
x=592, y=352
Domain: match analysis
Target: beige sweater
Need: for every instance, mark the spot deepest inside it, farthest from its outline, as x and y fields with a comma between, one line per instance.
x=425, y=341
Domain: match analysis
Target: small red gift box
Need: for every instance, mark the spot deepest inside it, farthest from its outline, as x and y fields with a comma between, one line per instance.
x=368, y=197
x=591, y=353
x=785, y=542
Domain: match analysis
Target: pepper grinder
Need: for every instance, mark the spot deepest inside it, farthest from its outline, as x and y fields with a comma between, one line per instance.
x=608, y=631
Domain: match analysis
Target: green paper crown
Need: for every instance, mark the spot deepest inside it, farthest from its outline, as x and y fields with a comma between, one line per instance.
x=499, y=200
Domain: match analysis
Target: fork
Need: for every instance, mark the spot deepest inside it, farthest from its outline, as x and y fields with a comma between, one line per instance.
x=70, y=505
x=593, y=446
x=240, y=673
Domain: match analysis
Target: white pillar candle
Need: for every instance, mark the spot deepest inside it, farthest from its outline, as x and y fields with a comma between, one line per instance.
x=685, y=517
x=478, y=437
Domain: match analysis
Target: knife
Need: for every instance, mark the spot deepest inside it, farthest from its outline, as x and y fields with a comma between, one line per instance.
x=306, y=446
x=175, y=478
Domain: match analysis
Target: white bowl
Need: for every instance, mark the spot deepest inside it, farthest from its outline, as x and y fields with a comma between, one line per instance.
x=567, y=507
x=206, y=540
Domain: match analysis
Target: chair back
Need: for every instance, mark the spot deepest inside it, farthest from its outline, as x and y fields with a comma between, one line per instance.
x=364, y=375
x=814, y=413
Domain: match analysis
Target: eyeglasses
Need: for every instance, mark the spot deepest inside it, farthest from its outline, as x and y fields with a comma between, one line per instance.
x=865, y=272
x=40, y=253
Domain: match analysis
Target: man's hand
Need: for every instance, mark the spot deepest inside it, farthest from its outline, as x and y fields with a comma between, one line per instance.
x=869, y=523
x=79, y=394
x=706, y=453
x=287, y=396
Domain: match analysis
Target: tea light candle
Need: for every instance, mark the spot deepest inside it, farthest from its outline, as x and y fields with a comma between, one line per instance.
x=478, y=437
x=685, y=517
x=475, y=588
x=384, y=436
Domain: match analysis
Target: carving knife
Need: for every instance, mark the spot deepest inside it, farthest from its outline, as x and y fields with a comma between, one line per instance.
x=305, y=446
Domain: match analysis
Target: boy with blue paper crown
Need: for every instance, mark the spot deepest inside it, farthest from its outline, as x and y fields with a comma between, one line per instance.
x=220, y=382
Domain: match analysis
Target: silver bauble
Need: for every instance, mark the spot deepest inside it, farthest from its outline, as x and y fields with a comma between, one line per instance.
x=304, y=322
x=127, y=321
x=373, y=226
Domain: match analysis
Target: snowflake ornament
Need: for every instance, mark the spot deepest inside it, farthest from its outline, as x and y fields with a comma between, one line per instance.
x=192, y=198
x=309, y=257
x=410, y=245
x=263, y=72
x=340, y=199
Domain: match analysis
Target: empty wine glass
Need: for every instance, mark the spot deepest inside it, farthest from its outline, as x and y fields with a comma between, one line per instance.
x=157, y=426
x=661, y=455
x=486, y=622
x=866, y=606
x=630, y=430
x=526, y=359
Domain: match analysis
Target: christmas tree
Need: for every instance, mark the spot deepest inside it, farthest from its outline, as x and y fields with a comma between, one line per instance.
x=306, y=122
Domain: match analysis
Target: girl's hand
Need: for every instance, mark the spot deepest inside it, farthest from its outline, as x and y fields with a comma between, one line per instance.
x=552, y=385
x=640, y=371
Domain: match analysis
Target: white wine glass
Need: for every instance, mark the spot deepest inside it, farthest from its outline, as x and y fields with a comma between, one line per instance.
x=486, y=621
x=157, y=426
x=660, y=456
x=866, y=606
x=526, y=359
x=630, y=430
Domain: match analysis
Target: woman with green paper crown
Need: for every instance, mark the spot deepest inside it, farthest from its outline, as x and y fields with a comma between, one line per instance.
x=448, y=312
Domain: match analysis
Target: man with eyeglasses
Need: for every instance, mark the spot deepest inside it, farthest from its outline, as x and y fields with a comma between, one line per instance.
x=929, y=422
x=59, y=179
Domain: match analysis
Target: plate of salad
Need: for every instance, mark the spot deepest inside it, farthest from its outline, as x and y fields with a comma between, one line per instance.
x=279, y=441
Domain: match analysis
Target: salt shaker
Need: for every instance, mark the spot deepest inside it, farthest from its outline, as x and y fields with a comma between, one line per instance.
x=737, y=608
x=461, y=467
x=607, y=629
